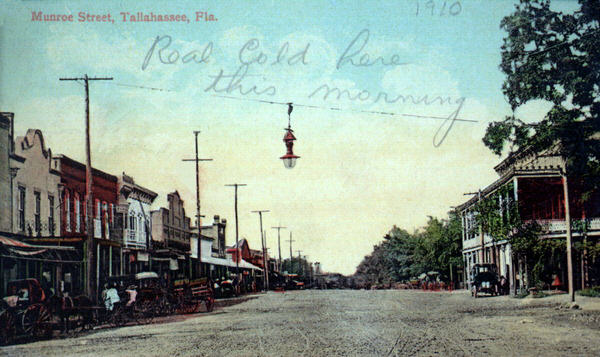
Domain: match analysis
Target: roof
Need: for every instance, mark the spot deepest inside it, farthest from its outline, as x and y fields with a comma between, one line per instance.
x=240, y=243
x=81, y=166
x=504, y=179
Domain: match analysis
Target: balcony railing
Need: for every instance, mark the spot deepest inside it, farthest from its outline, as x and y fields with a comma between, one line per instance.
x=552, y=226
x=131, y=239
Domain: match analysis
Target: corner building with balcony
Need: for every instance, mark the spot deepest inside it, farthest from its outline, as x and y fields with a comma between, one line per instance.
x=134, y=216
x=535, y=183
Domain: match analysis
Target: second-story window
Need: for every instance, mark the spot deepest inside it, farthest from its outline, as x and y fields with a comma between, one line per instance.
x=106, y=222
x=132, y=221
x=21, y=208
x=38, y=212
x=67, y=211
x=77, y=214
x=51, y=215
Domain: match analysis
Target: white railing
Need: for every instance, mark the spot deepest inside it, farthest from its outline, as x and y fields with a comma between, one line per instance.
x=559, y=225
x=97, y=228
x=132, y=236
x=131, y=239
x=594, y=224
x=552, y=225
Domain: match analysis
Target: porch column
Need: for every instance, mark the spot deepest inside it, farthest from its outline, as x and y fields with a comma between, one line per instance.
x=569, y=239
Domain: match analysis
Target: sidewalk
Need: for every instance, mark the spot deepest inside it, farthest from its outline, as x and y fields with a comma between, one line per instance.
x=584, y=302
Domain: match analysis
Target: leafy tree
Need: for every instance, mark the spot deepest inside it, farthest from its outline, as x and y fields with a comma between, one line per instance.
x=535, y=252
x=402, y=255
x=555, y=57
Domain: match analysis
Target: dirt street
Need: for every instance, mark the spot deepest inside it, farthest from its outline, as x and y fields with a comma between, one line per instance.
x=345, y=322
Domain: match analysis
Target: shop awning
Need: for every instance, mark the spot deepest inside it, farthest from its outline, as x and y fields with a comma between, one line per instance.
x=15, y=249
x=229, y=263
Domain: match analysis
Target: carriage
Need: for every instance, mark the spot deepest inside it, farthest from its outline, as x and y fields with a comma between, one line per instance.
x=188, y=296
x=140, y=299
x=24, y=311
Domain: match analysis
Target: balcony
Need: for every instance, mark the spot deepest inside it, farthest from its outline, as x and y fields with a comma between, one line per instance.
x=132, y=241
x=559, y=226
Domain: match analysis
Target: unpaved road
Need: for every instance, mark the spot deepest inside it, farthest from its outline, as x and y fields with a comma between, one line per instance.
x=344, y=322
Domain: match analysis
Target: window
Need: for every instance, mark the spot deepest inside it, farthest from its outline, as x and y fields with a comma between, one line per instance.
x=132, y=221
x=77, y=214
x=67, y=211
x=38, y=213
x=21, y=208
x=105, y=217
x=98, y=213
x=51, y=215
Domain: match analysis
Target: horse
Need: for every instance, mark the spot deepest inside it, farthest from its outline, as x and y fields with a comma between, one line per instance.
x=66, y=307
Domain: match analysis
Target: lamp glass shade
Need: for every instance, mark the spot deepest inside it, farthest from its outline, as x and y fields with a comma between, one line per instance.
x=289, y=162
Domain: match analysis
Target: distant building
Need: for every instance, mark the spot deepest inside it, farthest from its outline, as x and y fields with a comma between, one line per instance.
x=171, y=237
x=133, y=211
x=216, y=231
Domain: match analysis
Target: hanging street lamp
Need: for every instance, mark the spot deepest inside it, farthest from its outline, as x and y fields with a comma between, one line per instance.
x=289, y=159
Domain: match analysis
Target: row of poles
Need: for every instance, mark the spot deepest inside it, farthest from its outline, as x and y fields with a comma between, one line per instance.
x=91, y=284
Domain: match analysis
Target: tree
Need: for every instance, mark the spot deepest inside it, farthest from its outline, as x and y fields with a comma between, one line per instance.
x=555, y=57
x=402, y=255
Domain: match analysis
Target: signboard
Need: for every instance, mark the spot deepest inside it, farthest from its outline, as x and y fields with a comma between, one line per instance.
x=122, y=208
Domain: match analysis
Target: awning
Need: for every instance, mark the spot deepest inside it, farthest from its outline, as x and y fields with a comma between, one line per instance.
x=229, y=263
x=15, y=249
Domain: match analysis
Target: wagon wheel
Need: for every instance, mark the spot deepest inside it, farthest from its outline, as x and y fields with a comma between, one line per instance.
x=148, y=309
x=117, y=316
x=198, y=306
x=78, y=321
x=36, y=321
x=8, y=328
x=189, y=307
x=210, y=303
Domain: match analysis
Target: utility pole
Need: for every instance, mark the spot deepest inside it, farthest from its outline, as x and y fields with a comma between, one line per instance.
x=299, y=261
x=198, y=216
x=291, y=240
x=279, y=228
x=569, y=236
x=91, y=284
x=266, y=260
x=262, y=239
x=237, y=251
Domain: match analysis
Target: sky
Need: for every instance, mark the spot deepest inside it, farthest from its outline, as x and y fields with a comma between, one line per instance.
x=361, y=170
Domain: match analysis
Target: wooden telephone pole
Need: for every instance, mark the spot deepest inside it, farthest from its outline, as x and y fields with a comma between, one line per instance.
x=291, y=240
x=262, y=239
x=237, y=261
x=91, y=278
x=198, y=216
x=279, y=228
